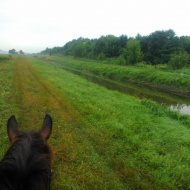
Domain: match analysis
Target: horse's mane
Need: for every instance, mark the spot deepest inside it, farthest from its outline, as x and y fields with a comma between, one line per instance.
x=26, y=165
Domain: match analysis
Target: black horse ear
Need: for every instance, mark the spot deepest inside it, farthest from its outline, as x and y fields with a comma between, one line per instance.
x=46, y=128
x=12, y=128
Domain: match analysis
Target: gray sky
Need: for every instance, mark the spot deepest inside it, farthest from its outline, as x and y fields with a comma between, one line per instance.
x=33, y=25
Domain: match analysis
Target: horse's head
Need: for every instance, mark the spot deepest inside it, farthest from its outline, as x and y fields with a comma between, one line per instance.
x=26, y=164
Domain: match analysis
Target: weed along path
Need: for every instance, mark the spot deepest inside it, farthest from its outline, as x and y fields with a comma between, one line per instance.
x=101, y=139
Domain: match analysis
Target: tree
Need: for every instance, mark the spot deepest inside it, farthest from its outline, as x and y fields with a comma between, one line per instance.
x=12, y=51
x=159, y=46
x=46, y=51
x=21, y=52
x=123, y=41
x=79, y=50
x=185, y=43
x=132, y=52
x=179, y=60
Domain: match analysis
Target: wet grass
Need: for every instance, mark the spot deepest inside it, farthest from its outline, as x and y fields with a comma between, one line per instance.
x=169, y=80
x=101, y=139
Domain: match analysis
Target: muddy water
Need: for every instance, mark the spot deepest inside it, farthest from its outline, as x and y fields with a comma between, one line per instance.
x=174, y=102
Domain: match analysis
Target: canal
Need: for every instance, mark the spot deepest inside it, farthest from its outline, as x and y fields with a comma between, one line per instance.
x=174, y=102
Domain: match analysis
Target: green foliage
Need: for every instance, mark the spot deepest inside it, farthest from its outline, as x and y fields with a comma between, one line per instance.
x=21, y=52
x=132, y=52
x=159, y=45
x=105, y=47
x=101, y=56
x=154, y=49
x=162, y=66
x=4, y=58
x=13, y=51
x=79, y=50
x=179, y=60
x=185, y=43
x=115, y=60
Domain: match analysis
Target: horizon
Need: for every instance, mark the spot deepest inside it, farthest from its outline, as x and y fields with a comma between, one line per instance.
x=84, y=38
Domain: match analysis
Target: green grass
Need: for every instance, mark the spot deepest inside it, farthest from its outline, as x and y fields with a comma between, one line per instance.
x=4, y=58
x=6, y=76
x=101, y=139
x=168, y=80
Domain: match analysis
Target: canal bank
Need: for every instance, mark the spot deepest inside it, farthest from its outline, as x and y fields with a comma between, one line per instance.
x=172, y=101
x=170, y=90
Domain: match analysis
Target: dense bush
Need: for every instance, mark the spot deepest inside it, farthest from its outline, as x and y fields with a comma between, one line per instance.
x=132, y=52
x=179, y=60
x=4, y=58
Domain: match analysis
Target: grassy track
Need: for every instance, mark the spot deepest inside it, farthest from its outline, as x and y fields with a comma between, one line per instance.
x=101, y=139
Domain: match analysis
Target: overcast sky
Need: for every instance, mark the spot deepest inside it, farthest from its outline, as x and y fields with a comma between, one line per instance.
x=33, y=25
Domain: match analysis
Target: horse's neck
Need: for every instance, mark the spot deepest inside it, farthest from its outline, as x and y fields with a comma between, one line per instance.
x=5, y=178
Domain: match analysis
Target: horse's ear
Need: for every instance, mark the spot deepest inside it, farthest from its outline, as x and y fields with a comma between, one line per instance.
x=46, y=128
x=12, y=128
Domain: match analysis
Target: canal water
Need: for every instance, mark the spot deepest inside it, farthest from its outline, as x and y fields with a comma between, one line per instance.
x=174, y=102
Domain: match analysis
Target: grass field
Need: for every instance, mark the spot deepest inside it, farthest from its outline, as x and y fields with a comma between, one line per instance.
x=177, y=82
x=101, y=139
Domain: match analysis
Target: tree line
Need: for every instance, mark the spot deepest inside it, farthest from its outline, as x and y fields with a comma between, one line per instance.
x=13, y=51
x=160, y=47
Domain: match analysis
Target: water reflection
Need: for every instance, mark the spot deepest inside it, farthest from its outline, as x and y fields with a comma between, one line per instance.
x=174, y=102
x=185, y=109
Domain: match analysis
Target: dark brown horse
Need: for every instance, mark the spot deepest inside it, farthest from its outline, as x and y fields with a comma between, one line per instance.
x=27, y=163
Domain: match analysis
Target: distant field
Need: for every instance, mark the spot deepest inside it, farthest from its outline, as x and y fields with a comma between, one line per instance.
x=101, y=139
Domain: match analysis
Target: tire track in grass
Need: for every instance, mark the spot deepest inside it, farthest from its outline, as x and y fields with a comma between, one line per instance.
x=34, y=97
x=78, y=149
x=74, y=153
